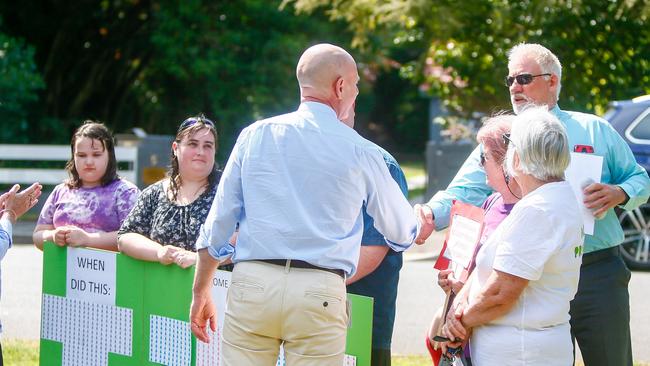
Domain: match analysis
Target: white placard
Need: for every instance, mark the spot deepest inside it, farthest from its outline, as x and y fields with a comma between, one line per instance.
x=88, y=331
x=463, y=236
x=91, y=275
x=210, y=354
x=170, y=341
x=584, y=168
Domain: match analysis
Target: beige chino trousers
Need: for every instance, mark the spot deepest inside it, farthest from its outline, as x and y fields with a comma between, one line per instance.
x=270, y=304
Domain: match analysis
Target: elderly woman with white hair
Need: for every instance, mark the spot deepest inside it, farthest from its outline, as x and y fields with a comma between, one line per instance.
x=516, y=306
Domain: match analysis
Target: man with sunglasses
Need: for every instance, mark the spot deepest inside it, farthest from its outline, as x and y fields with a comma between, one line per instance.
x=296, y=184
x=600, y=312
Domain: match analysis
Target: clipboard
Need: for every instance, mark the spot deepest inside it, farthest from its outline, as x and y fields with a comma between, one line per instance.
x=459, y=249
x=462, y=240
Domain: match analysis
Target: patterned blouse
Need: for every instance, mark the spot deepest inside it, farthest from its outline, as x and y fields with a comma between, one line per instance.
x=166, y=222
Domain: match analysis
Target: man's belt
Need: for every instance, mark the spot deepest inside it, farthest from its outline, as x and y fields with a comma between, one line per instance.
x=599, y=255
x=295, y=263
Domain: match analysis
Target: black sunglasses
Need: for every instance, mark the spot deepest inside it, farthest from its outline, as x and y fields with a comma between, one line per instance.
x=483, y=159
x=522, y=79
x=194, y=120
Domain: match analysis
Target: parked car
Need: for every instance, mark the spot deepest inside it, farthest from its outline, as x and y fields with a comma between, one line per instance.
x=631, y=118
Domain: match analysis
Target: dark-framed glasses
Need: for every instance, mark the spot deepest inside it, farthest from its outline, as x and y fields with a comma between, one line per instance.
x=522, y=79
x=194, y=120
x=506, y=139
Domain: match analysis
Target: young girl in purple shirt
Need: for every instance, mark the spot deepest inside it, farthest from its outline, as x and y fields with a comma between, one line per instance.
x=87, y=209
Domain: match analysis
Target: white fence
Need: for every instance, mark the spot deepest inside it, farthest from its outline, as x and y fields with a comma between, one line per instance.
x=53, y=176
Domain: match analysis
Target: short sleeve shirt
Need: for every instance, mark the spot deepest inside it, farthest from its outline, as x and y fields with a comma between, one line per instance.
x=165, y=222
x=96, y=209
x=539, y=241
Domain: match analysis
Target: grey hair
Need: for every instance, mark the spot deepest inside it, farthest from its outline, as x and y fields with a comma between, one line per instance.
x=547, y=61
x=541, y=142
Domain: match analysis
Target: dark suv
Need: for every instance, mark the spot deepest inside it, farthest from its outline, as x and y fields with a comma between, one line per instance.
x=631, y=118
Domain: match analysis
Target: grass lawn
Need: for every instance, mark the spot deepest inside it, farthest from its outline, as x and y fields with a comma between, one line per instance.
x=25, y=353
x=20, y=352
x=413, y=168
x=426, y=361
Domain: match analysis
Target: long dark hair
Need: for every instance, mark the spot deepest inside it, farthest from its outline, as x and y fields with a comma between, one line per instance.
x=95, y=131
x=188, y=128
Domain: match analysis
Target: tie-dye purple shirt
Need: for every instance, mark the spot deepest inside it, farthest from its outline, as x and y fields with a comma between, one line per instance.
x=96, y=209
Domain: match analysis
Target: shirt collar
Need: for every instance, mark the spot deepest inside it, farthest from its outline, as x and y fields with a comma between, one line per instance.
x=318, y=108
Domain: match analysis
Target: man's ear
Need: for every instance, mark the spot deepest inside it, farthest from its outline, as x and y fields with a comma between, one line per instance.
x=554, y=81
x=338, y=88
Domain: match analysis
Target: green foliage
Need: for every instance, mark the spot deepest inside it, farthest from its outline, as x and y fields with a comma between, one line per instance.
x=603, y=45
x=19, y=83
x=236, y=65
x=152, y=63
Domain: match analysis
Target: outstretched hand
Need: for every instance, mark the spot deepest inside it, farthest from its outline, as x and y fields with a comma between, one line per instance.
x=427, y=225
x=18, y=202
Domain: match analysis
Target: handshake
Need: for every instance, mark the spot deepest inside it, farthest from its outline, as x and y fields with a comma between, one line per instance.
x=424, y=215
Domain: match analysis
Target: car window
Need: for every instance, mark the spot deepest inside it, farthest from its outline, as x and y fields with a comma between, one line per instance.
x=640, y=128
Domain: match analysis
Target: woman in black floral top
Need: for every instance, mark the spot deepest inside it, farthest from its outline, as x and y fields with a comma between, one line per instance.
x=164, y=224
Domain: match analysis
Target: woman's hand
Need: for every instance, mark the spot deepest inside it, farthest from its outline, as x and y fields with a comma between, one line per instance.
x=17, y=203
x=59, y=234
x=447, y=282
x=167, y=253
x=76, y=237
x=453, y=328
x=27, y=198
x=184, y=258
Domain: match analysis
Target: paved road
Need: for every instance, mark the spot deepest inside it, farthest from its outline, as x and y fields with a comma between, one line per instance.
x=418, y=298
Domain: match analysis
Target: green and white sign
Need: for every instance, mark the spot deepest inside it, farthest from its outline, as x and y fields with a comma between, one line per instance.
x=103, y=308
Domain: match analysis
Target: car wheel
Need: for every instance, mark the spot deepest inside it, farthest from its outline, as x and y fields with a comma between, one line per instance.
x=635, y=248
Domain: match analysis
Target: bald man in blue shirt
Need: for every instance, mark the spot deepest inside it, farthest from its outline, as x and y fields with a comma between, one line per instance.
x=296, y=184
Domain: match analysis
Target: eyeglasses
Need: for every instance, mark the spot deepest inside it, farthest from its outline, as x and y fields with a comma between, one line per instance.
x=522, y=79
x=483, y=159
x=507, y=140
x=194, y=120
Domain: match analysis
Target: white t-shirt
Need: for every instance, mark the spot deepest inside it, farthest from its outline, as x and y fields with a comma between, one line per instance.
x=541, y=241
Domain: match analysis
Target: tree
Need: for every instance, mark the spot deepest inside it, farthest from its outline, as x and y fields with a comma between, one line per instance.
x=603, y=45
x=152, y=63
x=19, y=84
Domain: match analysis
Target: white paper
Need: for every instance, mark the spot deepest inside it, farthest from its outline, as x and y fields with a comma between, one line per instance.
x=463, y=237
x=584, y=168
x=91, y=275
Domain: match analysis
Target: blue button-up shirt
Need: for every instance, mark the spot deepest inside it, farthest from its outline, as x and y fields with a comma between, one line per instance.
x=296, y=184
x=619, y=168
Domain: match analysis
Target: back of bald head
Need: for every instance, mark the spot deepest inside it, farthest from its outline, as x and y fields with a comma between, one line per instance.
x=320, y=65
